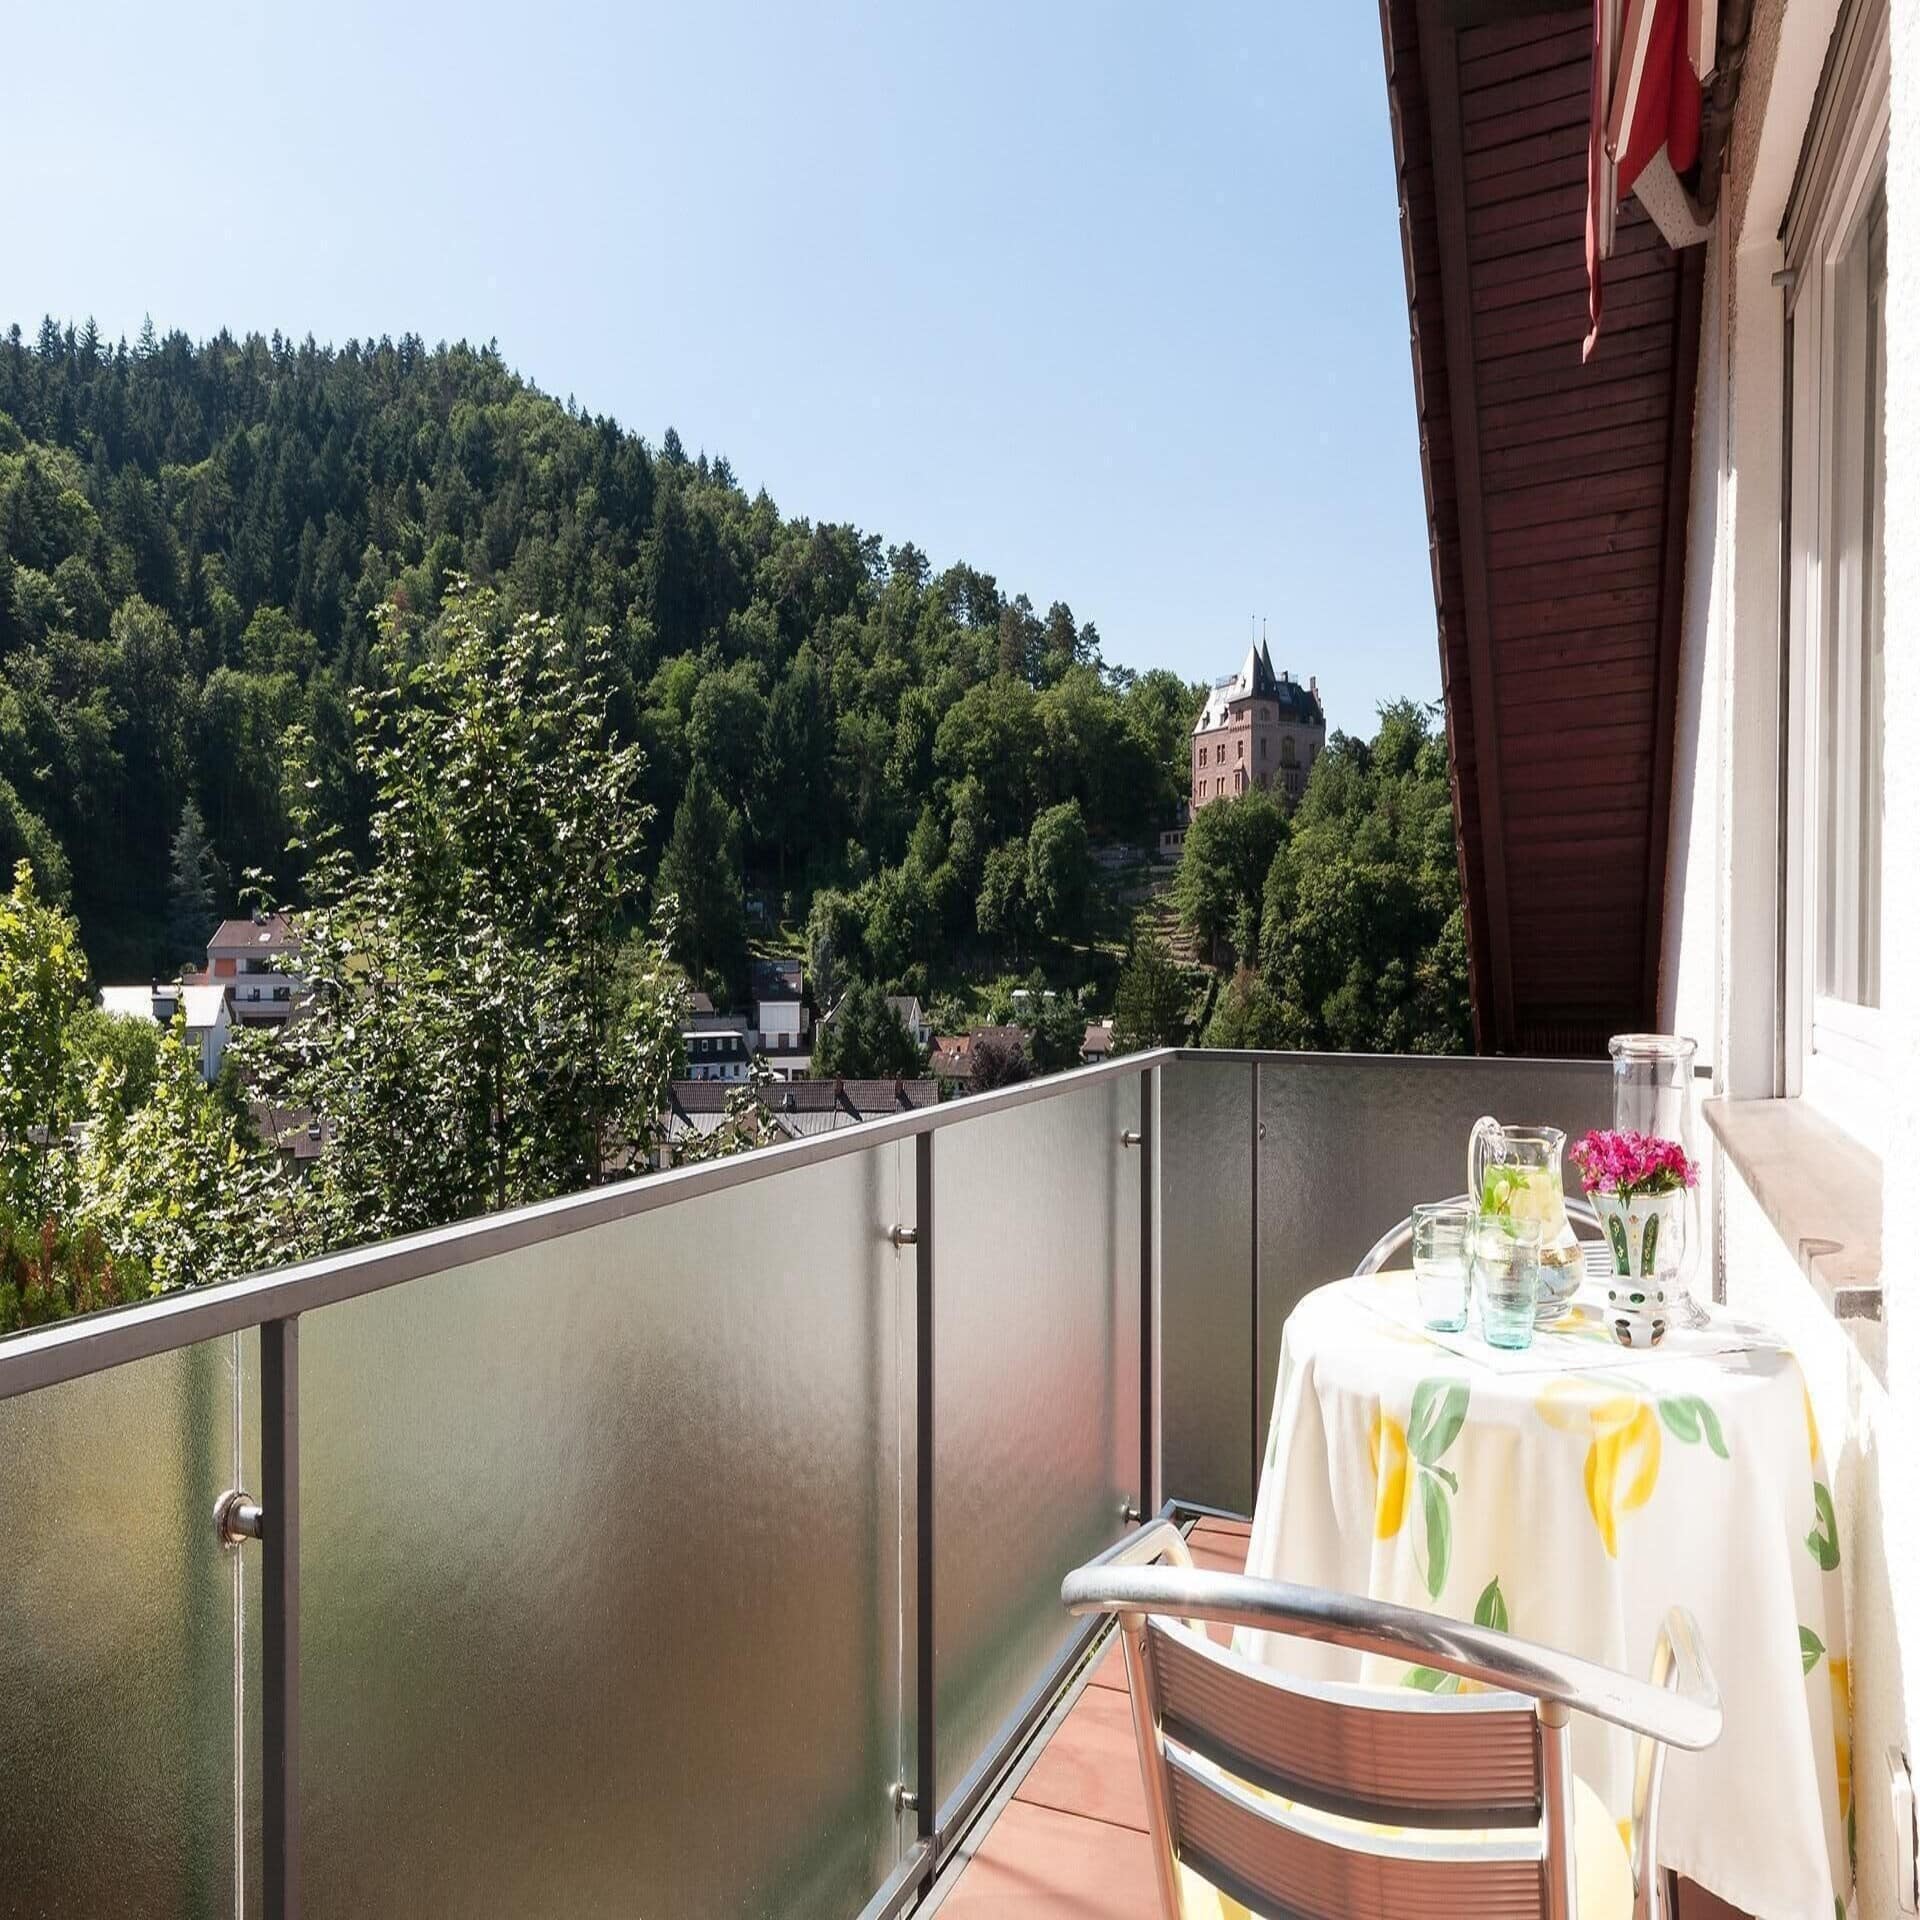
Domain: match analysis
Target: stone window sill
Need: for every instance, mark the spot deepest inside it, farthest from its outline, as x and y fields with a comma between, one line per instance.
x=1819, y=1187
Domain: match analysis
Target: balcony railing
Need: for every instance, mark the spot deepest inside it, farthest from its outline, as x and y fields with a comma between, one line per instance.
x=688, y=1547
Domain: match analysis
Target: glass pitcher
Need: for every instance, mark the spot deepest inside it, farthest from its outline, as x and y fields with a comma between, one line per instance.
x=1515, y=1172
x=1653, y=1093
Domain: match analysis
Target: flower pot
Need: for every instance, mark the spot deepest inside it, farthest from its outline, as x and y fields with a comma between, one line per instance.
x=1647, y=1236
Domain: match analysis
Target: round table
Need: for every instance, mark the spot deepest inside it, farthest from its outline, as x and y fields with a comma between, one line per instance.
x=1571, y=1494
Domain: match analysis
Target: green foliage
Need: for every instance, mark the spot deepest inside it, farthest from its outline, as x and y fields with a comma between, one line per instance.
x=1060, y=873
x=836, y=944
x=193, y=882
x=198, y=544
x=1056, y=1029
x=1152, y=1003
x=124, y=1050
x=174, y=1185
x=1229, y=849
x=865, y=1039
x=1246, y=1014
x=119, y=1172
x=700, y=877
x=1364, y=944
x=42, y=1095
x=484, y=1030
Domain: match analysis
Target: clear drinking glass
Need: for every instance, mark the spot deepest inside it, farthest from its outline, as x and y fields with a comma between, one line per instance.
x=1442, y=1261
x=1506, y=1270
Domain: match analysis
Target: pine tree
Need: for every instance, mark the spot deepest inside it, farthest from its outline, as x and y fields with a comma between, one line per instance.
x=192, y=889
x=701, y=872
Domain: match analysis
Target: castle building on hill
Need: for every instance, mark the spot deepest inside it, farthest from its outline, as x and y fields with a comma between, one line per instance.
x=1258, y=729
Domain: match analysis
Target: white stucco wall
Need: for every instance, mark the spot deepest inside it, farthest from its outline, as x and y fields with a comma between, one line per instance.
x=1719, y=961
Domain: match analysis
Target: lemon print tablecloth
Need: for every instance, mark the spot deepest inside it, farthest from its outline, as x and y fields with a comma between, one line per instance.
x=1572, y=1495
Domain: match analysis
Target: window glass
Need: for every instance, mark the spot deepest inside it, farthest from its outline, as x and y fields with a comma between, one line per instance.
x=1852, y=683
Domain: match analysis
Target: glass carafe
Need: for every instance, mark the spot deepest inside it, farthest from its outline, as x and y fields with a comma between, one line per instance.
x=1515, y=1172
x=1653, y=1093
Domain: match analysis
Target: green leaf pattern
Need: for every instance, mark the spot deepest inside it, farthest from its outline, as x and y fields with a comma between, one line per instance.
x=1434, y=1420
x=1824, y=1541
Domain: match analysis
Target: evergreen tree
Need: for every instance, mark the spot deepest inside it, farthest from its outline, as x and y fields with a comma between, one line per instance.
x=865, y=1039
x=700, y=873
x=193, y=876
x=1152, y=1001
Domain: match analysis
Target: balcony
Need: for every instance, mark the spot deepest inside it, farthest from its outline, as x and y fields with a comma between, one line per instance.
x=688, y=1547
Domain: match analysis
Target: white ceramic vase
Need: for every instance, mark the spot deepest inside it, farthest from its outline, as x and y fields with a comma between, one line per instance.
x=1647, y=1236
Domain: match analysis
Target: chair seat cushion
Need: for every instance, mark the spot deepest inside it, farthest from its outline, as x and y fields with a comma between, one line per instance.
x=1603, y=1873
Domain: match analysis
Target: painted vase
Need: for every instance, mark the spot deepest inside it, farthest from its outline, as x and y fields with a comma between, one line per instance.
x=1647, y=1236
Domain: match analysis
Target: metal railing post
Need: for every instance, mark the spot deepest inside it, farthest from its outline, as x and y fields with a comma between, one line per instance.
x=1149, y=1397
x=1253, y=1287
x=280, y=1609
x=926, y=1777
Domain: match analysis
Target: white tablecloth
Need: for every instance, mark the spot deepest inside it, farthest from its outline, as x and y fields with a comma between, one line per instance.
x=1572, y=1495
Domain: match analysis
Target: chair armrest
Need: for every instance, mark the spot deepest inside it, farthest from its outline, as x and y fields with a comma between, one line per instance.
x=1680, y=1666
x=1158, y=1540
x=1686, y=1717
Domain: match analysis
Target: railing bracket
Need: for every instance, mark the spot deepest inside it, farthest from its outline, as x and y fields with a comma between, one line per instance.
x=1130, y=1138
x=236, y=1517
x=905, y=1800
x=905, y=1236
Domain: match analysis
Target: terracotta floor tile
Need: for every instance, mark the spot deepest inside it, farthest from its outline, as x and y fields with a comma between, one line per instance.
x=1037, y=1864
x=1110, y=1670
x=1091, y=1765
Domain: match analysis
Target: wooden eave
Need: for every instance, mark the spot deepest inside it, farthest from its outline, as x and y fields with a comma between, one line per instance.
x=1556, y=495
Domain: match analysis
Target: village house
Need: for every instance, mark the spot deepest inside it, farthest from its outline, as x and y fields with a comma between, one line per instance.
x=254, y=960
x=209, y=1021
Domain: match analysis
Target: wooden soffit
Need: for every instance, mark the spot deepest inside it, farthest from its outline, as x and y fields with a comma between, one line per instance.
x=1556, y=496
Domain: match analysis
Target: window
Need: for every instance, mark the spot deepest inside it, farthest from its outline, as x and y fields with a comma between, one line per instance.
x=1836, y=400
x=1240, y=749
x=1288, y=751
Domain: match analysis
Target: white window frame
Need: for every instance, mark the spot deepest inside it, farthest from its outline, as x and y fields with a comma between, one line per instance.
x=1834, y=1056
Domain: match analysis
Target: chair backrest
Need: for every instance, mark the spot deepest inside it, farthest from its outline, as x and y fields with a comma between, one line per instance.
x=1271, y=1784
x=1393, y=1244
x=1321, y=1801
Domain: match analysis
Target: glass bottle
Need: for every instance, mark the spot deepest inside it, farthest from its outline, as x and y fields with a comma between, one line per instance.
x=1653, y=1093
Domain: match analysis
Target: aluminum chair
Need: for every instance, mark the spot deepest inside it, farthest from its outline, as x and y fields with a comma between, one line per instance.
x=1220, y=1736
x=1394, y=1243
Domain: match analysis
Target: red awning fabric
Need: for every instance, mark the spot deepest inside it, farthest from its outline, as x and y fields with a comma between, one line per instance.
x=1645, y=96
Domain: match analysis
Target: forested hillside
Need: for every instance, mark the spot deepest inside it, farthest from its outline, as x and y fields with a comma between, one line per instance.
x=195, y=542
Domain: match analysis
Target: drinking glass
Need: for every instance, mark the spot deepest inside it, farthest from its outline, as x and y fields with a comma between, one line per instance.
x=1506, y=1269
x=1442, y=1258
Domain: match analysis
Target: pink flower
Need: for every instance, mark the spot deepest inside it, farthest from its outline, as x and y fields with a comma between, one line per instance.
x=1621, y=1161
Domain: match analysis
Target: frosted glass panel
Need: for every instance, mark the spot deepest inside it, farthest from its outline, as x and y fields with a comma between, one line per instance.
x=600, y=1567
x=1351, y=1141
x=117, y=1673
x=1206, y=1281
x=1036, y=1348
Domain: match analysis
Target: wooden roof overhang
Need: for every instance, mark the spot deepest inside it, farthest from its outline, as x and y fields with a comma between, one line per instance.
x=1557, y=496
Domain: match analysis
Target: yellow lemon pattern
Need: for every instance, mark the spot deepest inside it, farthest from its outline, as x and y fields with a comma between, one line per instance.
x=1387, y=1446
x=1624, y=1432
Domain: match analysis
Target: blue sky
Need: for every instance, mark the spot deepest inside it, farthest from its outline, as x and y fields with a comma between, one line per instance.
x=1104, y=299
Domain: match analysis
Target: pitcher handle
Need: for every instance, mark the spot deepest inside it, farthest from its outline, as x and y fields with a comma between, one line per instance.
x=1483, y=1144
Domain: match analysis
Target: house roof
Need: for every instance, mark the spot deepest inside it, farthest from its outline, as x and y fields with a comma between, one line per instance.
x=269, y=933
x=1257, y=680
x=802, y=1107
x=1557, y=496
x=1099, y=1039
x=907, y=1006
x=776, y=979
x=206, y=1006
x=129, y=1003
